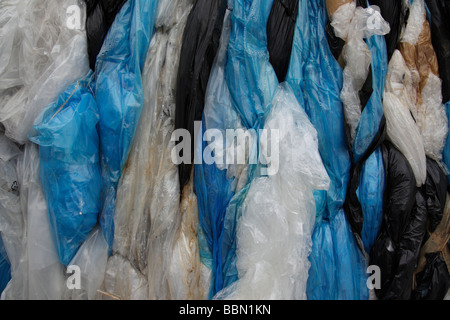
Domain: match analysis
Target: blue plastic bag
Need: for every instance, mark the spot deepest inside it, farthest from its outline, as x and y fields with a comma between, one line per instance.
x=372, y=182
x=5, y=267
x=66, y=132
x=447, y=144
x=337, y=265
x=118, y=91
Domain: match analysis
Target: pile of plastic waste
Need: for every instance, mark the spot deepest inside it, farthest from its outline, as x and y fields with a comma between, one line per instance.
x=225, y=149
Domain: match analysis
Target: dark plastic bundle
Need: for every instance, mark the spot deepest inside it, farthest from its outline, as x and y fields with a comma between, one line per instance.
x=200, y=44
x=280, y=35
x=100, y=16
x=440, y=36
x=396, y=249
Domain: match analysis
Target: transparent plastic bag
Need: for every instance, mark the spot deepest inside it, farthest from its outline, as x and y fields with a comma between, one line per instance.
x=147, y=217
x=402, y=130
x=50, y=57
x=119, y=95
x=39, y=275
x=337, y=265
x=275, y=229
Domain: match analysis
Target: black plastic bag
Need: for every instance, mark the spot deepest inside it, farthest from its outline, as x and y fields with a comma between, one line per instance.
x=434, y=281
x=280, y=35
x=100, y=16
x=398, y=244
x=440, y=36
x=200, y=44
x=436, y=193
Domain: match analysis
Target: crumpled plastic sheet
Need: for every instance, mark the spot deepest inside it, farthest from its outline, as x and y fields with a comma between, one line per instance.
x=216, y=184
x=40, y=59
x=38, y=274
x=117, y=88
x=426, y=92
x=252, y=83
x=119, y=95
x=278, y=215
x=337, y=265
x=397, y=246
x=66, y=132
x=362, y=23
x=11, y=220
x=402, y=130
x=372, y=185
x=148, y=218
x=200, y=44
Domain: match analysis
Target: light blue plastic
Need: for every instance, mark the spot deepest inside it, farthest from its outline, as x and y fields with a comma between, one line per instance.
x=119, y=94
x=337, y=265
x=70, y=170
x=372, y=181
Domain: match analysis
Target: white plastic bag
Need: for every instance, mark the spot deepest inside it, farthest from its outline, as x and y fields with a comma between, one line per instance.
x=274, y=232
x=147, y=219
x=47, y=55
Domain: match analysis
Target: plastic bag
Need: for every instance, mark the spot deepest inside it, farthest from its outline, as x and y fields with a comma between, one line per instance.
x=39, y=274
x=147, y=220
x=66, y=132
x=50, y=56
x=337, y=265
x=119, y=95
x=252, y=83
x=278, y=215
x=392, y=12
x=280, y=35
x=214, y=186
x=11, y=220
x=200, y=44
x=440, y=36
x=401, y=127
x=100, y=16
x=397, y=246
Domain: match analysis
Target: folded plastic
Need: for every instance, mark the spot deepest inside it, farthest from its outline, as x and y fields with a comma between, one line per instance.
x=119, y=95
x=66, y=132
x=275, y=229
x=45, y=58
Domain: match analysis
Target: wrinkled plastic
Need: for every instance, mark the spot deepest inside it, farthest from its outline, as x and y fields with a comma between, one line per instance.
x=337, y=265
x=200, y=44
x=446, y=151
x=147, y=220
x=11, y=223
x=275, y=229
x=44, y=59
x=392, y=12
x=280, y=35
x=39, y=274
x=119, y=95
x=397, y=247
x=440, y=35
x=66, y=132
x=100, y=15
x=91, y=259
x=401, y=126
x=214, y=186
x=434, y=281
x=364, y=23
x=252, y=83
